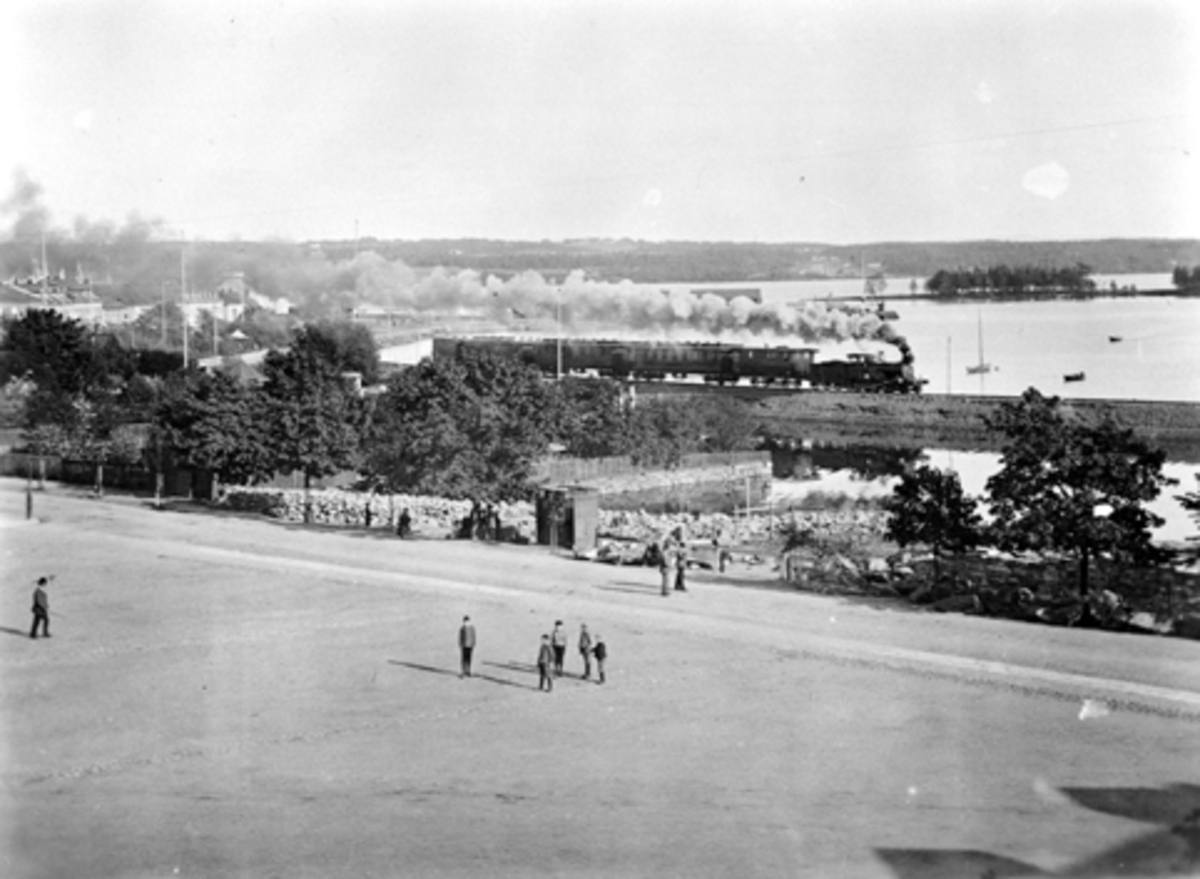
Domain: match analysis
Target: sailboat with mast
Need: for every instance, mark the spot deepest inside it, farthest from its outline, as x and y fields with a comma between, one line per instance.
x=982, y=367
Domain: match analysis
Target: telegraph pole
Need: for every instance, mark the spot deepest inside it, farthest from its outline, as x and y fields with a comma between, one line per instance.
x=183, y=296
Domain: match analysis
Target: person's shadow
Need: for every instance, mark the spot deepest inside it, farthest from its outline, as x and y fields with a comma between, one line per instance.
x=18, y=632
x=432, y=669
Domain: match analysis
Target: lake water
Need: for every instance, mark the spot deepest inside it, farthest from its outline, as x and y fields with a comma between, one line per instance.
x=1035, y=343
x=1028, y=344
x=851, y=484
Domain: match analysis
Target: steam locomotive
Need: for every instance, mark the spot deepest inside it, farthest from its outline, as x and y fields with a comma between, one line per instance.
x=714, y=362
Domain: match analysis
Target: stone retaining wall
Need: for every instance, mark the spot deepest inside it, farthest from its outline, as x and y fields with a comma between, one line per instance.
x=1059, y=578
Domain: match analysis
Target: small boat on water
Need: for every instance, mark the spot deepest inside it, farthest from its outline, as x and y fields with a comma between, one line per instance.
x=1115, y=338
x=1074, y=377
x=982, y=367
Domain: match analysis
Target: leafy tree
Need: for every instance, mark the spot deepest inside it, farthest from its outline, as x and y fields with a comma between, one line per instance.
x=158, y=327
x=468, y=428
x=1191, y=503
x=1066, y=485
x=590, y=416
x=211, y=422
x=315, y=418
x=348, y=347
x=265, y=329
x=728, y=425
x=928, y=507
x=155, y=362
x=661, y=431
x=53, y=351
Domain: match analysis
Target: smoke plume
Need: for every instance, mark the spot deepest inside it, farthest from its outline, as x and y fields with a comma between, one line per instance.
x=588, y=307
x=134, y=262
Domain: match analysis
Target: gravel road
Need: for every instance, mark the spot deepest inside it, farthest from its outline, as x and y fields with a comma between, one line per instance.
x=230, y=696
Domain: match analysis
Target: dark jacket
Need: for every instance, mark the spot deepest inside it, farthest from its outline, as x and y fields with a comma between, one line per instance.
x=600, y=651
x=545, y=656
x=466, y=636
x=41, y=604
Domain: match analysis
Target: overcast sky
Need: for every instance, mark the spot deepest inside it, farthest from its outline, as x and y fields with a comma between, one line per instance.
x=839, y=122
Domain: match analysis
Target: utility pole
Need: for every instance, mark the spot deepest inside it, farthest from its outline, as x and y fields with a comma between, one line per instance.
x=45, y=271
x=558, y=323
x=183, y=297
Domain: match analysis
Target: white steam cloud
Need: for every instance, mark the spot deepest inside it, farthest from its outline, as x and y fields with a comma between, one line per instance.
x=583, y=306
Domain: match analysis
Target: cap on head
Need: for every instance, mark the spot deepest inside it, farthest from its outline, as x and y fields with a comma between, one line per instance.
x=42, y=581
x=466, y=619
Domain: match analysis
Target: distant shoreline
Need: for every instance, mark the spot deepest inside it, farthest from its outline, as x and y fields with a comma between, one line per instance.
x=1023, y=297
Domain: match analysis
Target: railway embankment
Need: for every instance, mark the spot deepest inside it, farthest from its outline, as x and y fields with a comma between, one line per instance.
x=952, y=421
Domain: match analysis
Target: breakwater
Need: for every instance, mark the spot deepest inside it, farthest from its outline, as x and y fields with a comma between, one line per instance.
x=958, y=421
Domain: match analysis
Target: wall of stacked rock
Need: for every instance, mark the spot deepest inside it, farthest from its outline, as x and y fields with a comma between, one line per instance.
x=431, y=516
x=438, y=517
x=1056, y=578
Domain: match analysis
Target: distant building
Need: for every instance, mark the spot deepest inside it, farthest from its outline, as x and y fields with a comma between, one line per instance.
x=122, y=315
x=71, y=297
x=195, y=304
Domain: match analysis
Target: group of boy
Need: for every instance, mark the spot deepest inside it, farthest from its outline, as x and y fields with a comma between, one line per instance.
x=551, y=655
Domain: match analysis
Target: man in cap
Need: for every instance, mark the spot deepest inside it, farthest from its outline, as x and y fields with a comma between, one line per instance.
x=558, y=639
x=41, y=608
x=466, y=645
x=544, y=662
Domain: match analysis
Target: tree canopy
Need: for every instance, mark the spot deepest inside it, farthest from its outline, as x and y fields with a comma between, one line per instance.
x=1067, y=485
x=211, y=422
x=929, y=507
x=466, y=428
x=316, y=418
x=54, y=352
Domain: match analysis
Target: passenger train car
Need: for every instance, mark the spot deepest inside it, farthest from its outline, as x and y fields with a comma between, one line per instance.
x=715, y=362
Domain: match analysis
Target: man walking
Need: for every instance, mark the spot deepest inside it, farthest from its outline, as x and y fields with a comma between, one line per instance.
x=466, y=644
x=545, y=658
x=585, y=650
x=41, y=609
x=601, y=654
x=558, y=639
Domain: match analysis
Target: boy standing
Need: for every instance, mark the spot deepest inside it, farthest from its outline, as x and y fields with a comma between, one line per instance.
x=585, y=650
x=41, y=609
x=601, y=653
x=558, y=639
x=466, y=645
x=545, y=658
